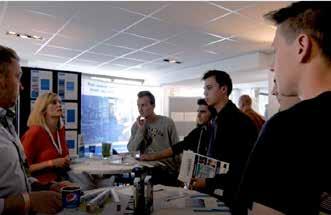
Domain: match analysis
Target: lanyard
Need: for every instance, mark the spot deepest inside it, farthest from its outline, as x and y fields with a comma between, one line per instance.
x=57, y=146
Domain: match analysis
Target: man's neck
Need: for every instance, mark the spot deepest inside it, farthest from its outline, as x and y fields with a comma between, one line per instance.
x=316, y=80
x=221, y=104
x=151, y=118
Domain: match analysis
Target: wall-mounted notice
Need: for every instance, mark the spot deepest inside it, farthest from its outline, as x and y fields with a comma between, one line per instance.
x=41, y=82
x=71, y=137
x=70, y=115
x=67, y=86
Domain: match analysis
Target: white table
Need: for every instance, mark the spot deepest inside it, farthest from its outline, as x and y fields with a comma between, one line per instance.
x=176, y=201
x=167, y=200
x=117, y=164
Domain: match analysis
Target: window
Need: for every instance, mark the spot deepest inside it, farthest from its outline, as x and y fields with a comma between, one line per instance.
x=109, y=110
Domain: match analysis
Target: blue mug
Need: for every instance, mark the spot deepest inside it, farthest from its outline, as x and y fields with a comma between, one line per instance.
x=71, y=197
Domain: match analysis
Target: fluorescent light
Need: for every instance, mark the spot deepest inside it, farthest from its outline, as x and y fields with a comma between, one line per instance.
x=128, y=81
x=23, y=35
x=102, y=79
x=172, y=61
x=36, y=37
x=119, y=80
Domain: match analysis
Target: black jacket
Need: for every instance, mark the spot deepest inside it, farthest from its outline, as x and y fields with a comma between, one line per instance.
x=235, y=137
x=196, y=141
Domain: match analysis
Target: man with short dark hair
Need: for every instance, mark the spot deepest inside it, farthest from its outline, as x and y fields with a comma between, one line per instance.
x=231, y=139
x=15, y=190
x=289, y=169
x=153, y=133
x=196, y=140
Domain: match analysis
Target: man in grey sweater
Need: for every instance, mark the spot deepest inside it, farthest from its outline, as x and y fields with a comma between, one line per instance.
x=153, y=133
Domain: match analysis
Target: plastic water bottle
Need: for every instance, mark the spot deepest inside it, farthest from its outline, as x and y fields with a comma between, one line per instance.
x=139, y=205
x=148, y=192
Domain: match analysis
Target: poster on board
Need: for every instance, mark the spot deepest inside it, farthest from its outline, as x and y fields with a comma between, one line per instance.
x=41, y=82
x=70, y=115
x=71, y=138
x=68, y=86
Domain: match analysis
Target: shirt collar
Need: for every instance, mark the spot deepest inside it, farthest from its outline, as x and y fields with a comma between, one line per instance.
x=6, y=113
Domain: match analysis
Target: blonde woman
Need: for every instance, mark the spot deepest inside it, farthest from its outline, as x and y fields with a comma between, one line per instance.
x=44, y=142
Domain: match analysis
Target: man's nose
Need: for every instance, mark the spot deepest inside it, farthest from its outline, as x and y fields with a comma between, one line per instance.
x=21, y=86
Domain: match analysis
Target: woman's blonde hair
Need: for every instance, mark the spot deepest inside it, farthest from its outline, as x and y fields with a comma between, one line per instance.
x=37, y=115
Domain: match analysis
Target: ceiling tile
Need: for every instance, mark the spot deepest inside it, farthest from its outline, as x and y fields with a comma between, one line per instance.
x=71, y=43
x=51, y=58
x=58, y=52
x=76, y=30
x=126, y=62
x=192, y=39
x=228, y=49
x=144, y=56
x=95, y=57
x=83, y=62
x=191, y=14
x=130, y=41
x=155, y=29
x=225, y=26
x=110, y=50
x=106, y=17
x=139, y=6
x=234, y=5
x=112, y=67
x=163, y=48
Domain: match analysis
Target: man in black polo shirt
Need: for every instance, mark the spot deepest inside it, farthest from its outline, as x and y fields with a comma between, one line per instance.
x=289, y=168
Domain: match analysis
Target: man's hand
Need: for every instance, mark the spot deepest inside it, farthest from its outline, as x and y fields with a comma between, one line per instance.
x=61, y=162
x=141, y=122
x=147, y=157
x=197, y=183
x=46, y=202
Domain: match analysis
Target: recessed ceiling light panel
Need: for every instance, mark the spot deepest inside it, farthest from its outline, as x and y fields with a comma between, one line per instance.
x=23, y=35
x=172, y=61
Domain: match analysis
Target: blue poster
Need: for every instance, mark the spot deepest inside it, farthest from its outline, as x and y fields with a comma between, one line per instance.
x=44, y=84
x=71, y=144
x=70, y=116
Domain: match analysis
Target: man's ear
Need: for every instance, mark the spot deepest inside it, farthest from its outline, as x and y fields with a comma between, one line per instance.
x=304, y=48
x=224, y=89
